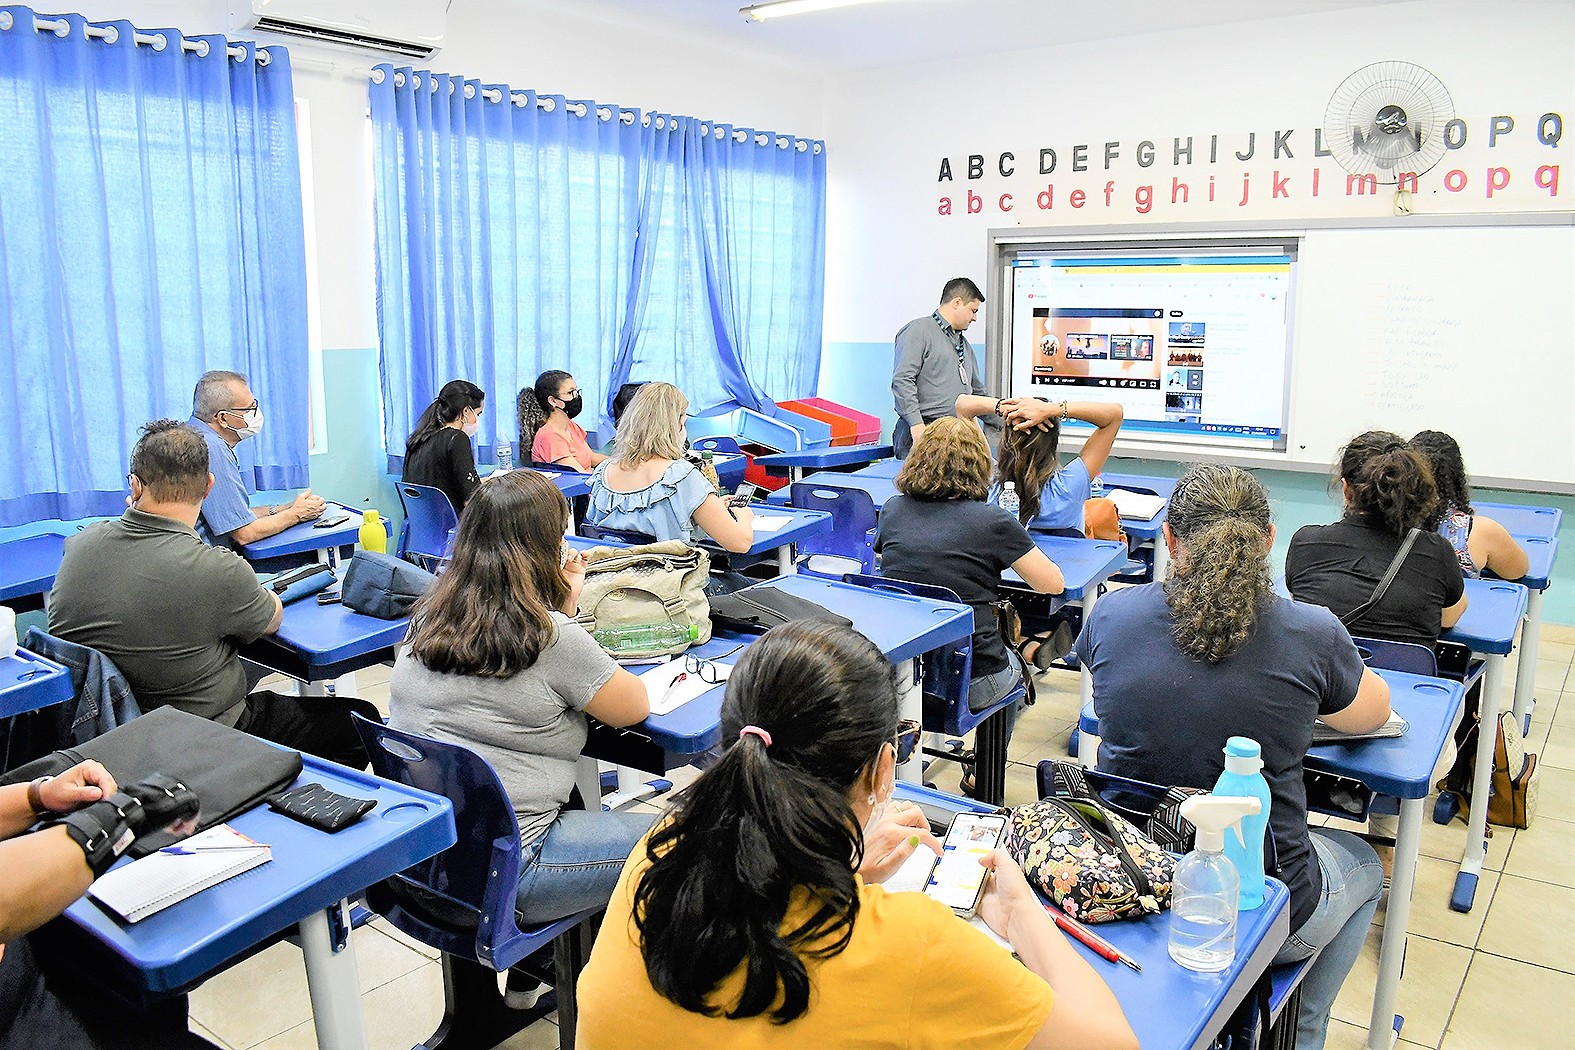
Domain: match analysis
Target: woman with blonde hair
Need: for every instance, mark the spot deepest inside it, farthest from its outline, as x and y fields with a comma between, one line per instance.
x=648, y=486
x=1180, y=667
x=943, y=530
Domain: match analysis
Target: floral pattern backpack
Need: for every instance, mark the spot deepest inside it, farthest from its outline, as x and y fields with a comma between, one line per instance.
x=1093, y=864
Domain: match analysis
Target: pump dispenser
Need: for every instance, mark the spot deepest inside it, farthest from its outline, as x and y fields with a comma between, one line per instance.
x=1243, y=776
x=1205, y=889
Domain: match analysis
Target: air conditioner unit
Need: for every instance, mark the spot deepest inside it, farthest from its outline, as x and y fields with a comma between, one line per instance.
x=413, y=28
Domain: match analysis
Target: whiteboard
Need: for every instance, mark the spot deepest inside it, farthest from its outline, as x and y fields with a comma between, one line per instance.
x=1469, y=330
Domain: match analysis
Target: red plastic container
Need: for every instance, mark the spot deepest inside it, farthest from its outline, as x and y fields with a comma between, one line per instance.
x=866, y=428
x=842, y=428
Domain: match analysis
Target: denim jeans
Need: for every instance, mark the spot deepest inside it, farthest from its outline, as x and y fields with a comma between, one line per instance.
x=576, y=865
x=1353, y=880
x=987, y=690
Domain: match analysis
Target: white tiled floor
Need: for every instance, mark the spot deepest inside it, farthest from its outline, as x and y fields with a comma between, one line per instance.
x=1501, y=977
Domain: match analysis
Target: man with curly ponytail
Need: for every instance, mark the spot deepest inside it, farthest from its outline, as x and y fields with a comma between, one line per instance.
x=1389, y=491
x=1212, y=653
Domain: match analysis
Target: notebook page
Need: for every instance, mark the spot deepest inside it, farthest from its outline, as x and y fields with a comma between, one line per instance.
x=148, y=886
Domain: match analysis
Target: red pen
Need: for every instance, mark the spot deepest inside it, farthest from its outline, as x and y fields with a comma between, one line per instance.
x=1089, y=939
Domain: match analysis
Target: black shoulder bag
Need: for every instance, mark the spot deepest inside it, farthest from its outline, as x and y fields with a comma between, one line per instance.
x=1366, y=607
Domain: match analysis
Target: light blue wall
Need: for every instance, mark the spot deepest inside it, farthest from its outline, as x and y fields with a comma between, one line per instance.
x=859, y=375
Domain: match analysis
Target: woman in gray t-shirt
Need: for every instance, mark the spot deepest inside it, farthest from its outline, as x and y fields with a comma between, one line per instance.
x=495, y=662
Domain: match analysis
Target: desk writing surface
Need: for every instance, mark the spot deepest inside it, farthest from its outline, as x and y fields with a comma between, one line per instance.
x=1150, y=483
x=880, y=489
x=1523, y=520
x=820, y=458
x=1400, y=766
x=1084, y=564
x=28, y=565
x=310, y=870
x=28, y=682
x=1540, y=554
x=886, y=468
x=1494, y=610
x=802, y=523
x=305, y=537
x=1168, y=1007
x=316, y=642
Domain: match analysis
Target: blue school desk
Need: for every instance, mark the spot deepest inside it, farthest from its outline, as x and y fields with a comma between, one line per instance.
x=307, y=882
x=1541, y=552
x=1523, y=520
x=27, y=569
x=824, y=458
x=1493, y=613
x=316, y=643
x=307, y=538
x=1401, y=767
x=1146, y=530
x=1084, y=564
x=28, y=682
x=902, y=626
x=801, y=523
x=886, y=468
x=1169, y=1007
x=879, y=487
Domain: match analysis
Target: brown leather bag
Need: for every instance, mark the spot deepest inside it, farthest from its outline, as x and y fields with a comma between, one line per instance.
x=1512, y=800
x=1101, y=520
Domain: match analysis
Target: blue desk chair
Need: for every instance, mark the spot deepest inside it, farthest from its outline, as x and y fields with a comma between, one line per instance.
x=461, y=901
x=717, y=444
x=850, y=545
x=429, y=518
x=101, y=700
x=947, y=672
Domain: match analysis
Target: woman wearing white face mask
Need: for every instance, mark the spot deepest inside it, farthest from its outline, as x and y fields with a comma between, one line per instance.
x=438, y=452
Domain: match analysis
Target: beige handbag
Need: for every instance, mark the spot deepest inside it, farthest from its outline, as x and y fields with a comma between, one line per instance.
x=653, y=585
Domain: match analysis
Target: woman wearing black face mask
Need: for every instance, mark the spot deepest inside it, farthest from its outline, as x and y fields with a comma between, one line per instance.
x=547, y=424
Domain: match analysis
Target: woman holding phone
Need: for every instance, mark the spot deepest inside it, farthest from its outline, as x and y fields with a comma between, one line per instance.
x=494, y=661
x=753, y=915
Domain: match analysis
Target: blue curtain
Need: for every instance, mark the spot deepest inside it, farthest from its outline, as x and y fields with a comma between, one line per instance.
x=150, y=230
x=519, y=232
x=730, y=278
x=505, y=234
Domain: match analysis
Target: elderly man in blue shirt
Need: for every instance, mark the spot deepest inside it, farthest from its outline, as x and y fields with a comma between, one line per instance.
x=225, y=412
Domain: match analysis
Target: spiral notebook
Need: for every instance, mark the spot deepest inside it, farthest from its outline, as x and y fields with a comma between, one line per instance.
x=148, y=886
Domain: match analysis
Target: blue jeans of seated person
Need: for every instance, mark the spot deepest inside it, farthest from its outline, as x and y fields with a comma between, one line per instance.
x=1353, y=880
x=988, y=690
x=575, y=866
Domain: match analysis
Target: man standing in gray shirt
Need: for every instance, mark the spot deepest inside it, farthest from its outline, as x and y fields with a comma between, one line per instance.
x=934, y=363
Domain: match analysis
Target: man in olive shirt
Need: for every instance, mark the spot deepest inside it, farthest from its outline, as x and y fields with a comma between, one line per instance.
x=169, y=610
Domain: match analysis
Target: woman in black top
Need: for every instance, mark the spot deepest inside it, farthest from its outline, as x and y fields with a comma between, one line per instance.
x=438, y=452
x=1389, y=491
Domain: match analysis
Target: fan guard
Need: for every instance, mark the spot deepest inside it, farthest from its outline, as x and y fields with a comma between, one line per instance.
x=1386, y=119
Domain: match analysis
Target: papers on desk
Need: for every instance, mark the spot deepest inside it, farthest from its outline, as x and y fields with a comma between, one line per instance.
x=148, y=886
x=1140, y=506
x=1396, y=726
x=771, y=522
x=671, y=687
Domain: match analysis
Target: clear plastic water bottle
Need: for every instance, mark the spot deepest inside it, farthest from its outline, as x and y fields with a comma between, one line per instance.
x=1096, y=487
x=505, y=456
x=1205, y=888
x=634, y=638
x=1008, y=498
x=708, y=468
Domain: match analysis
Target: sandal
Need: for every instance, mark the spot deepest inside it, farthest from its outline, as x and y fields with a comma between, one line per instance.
x=1051, y=647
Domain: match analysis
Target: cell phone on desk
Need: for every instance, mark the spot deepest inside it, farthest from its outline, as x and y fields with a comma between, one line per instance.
x=329, y=597
x=329, y=521
x=957, y=880
x=743, y=495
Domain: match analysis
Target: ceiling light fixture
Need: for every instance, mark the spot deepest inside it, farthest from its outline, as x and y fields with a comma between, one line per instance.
x=779, y=8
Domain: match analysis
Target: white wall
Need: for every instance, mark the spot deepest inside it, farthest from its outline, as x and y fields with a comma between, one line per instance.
x=888, y=130
x=524, y=45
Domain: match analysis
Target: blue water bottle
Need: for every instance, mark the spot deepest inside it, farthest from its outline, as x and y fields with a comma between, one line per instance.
x=1243, y=776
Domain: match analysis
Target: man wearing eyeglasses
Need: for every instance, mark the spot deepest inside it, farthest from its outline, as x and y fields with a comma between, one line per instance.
x=225, y=412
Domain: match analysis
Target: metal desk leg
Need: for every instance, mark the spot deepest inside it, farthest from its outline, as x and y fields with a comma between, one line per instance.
x=1476, y=829
x=588, y=778
x=1085, y=677
x=1526, y=666
x=910, y=704
x=1161, y=560
x=1391, y=950
x=633, y=787
x=785, y=563
x=331, y=980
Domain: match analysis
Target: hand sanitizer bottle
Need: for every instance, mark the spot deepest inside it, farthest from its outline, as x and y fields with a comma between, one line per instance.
x=1205, y=889
x=1243, y=777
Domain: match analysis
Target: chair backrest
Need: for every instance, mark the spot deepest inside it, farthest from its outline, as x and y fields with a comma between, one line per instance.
x=853, y=519
x=465, y=895
x=101, y=700
x=716, y=444
x=602, y=532
x=947, y=671
x=429, y=518
x=1397, y=656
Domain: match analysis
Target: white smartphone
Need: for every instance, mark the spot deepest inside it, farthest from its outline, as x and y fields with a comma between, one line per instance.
x=957, y=880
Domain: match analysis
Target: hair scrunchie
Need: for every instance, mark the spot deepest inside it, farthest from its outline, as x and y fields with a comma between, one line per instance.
x=764, y=736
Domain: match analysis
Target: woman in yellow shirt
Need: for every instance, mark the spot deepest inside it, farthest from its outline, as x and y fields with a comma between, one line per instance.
x=752, y=915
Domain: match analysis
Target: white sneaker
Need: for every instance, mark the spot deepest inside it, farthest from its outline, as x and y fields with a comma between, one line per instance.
x=523, y=998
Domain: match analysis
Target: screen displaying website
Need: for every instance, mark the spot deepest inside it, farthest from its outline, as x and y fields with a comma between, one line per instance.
x=1192, y=345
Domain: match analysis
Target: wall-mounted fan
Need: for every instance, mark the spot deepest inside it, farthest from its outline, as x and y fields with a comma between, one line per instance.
x=1388, y=119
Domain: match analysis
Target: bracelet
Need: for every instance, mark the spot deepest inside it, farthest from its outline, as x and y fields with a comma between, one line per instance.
x=35, y=796
x=1064, y=410
x=998, y=405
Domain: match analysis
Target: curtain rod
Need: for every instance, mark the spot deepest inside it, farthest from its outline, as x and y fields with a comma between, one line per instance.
x=580, y=109
x=61, y=27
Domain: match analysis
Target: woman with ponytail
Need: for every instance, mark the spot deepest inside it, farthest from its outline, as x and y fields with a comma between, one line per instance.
x=1389, y=491
x=1212, y=653
x=438, y=452
x=752, y=914
x=547, y=425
